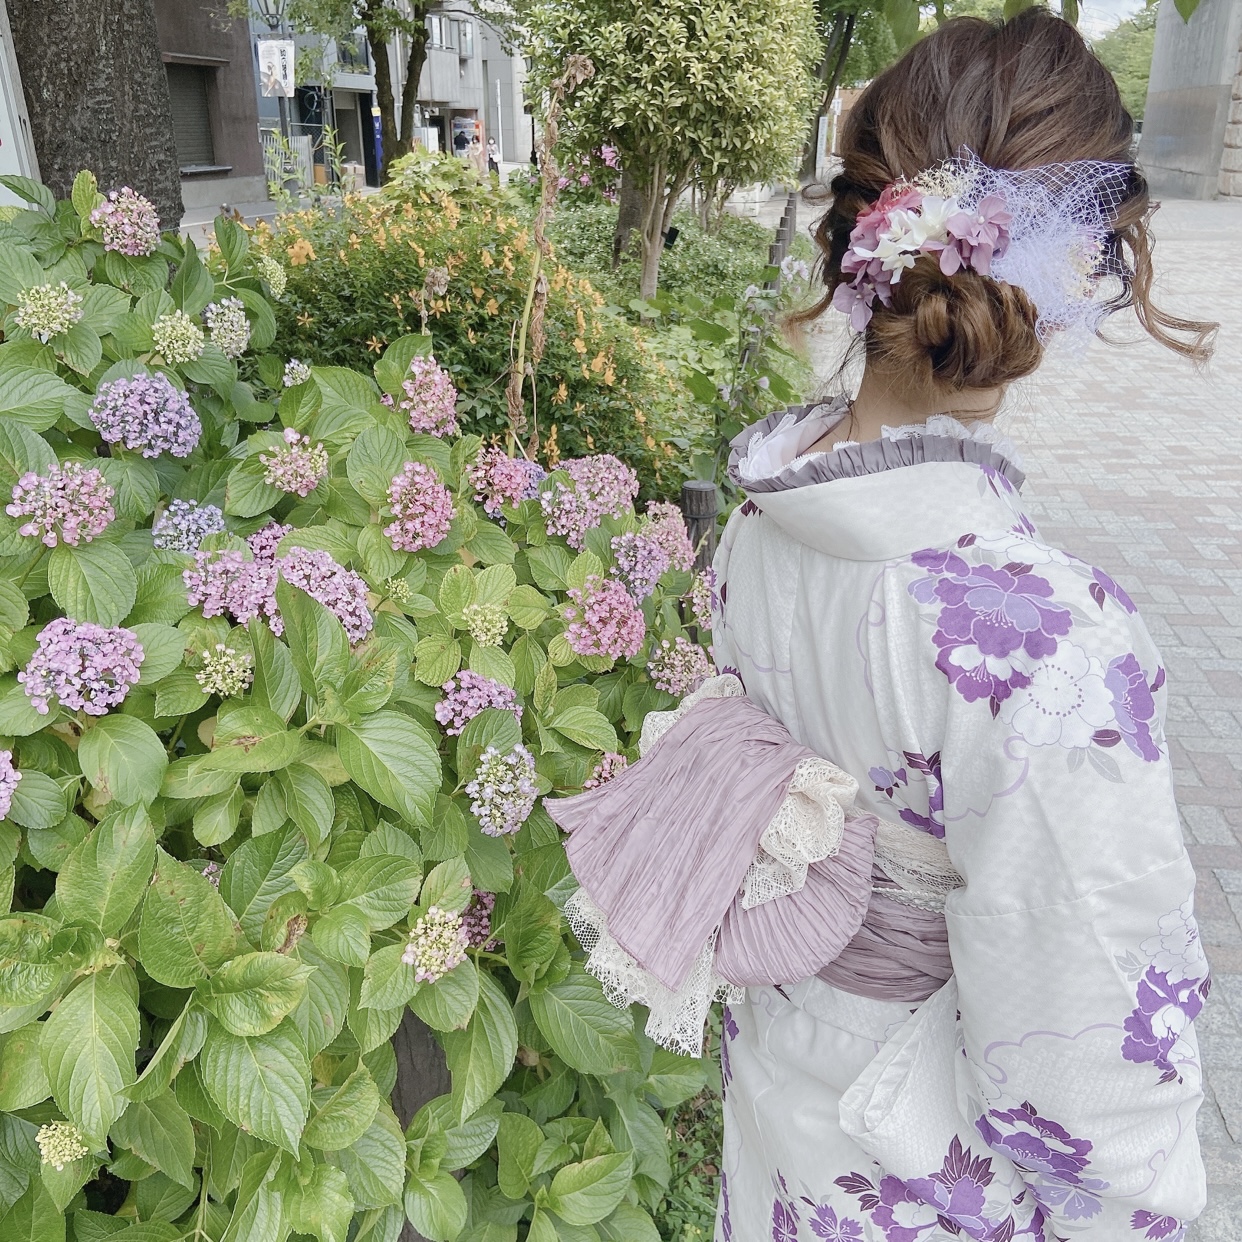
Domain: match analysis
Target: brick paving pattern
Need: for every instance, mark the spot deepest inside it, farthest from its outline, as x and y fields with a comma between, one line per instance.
x=1134, y=463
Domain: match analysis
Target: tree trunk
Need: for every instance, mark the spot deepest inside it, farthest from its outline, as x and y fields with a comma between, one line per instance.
x=97, y=95
x=652, y=236
x=386, y=101
x=421, y=1076
x=413, y=71
x=629, y=217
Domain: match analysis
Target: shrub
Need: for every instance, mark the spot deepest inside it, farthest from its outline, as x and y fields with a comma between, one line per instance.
x=252, y=769
x=358, y=280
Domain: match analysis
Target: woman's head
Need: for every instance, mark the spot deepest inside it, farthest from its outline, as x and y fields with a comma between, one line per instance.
x=1019, y=94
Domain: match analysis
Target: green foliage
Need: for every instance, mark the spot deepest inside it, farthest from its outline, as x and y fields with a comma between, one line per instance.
x=1126, y=52
x=206, y=901
x=356, y=285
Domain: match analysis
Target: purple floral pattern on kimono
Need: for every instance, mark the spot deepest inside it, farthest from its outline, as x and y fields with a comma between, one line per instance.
x=726, y=1225
x=993, y=621
x=826, y=1224
x=1158, y=1228
x=1056, y=1163
x=1104, y=587
x=887, y=781
x=728, y=1033
x=1134, y=704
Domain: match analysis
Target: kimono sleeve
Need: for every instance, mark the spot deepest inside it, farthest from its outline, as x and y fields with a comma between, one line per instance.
x=1078, y=963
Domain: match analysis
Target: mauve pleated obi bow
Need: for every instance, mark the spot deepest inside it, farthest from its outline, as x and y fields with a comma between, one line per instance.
x=731, y=856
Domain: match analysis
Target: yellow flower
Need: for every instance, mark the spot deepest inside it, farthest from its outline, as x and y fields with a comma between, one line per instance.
x=301, y=252
x=610, y=377
x=305, y=320
x=478, y=292
x=639, y=417
x=486, y=258
x=562, y=394
x=597, y=363
x=375, y=345
x=470, y=335
x=650, y=442
x=580, y=346
x=493, y=307
x=551, y=451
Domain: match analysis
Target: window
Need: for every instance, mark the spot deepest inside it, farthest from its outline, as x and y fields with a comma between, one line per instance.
x=465, y=44
x=187, y=89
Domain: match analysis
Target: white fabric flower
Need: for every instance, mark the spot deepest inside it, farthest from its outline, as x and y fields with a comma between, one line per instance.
x=1066, y=702
x=1176, y=950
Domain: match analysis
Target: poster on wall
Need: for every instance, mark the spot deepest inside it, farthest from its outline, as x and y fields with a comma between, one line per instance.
x=276, y=62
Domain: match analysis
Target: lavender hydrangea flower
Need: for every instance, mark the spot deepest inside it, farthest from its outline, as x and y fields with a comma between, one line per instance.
x=500, y=480
x=296, y=372
x=422, y=508
x=430, y=398
x=46, y=311
x=679, y=667
x=9, y=776
x=470, y=693
x=230, y=329
x=603, y=619
x=129, y=223
x=264, y=542
x=641, y=559
x=295, y=466
x=177, y=338
x=226, y=582
x=503, y=790
x=599, y=487
x=438, y=943
x=147, y=414
x=338, y=589
x=184, y=525
x=663, y=521
x=87, y=667
x=70, y=504
x=609, y=766
x=476, y=920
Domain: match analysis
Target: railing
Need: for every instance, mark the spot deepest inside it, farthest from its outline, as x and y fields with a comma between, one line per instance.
x=778, y=251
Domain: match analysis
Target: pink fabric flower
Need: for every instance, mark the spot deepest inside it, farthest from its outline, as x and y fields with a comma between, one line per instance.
x=422, y=508
x=980, y=236
x=603, y=619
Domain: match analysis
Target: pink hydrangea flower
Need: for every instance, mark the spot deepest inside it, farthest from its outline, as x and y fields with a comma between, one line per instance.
x=470, y=693
x=9, y=776
x=604, y=620
x=702, y=598
x=147, y=414
x=87, y=667
x=664, y=523
x=679, y=667
x=430, y=398
x=226, y=582
x=476, y=919
x=295, y=466
x=264, y=542
x=338, y=589
x=70, y=504
x=599, y=487
x=422, y=508
x=128, y=222
x=499, y=479
x=610, y=765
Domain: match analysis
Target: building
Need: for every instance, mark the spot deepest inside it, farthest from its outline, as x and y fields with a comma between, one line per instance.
x=1192, y=127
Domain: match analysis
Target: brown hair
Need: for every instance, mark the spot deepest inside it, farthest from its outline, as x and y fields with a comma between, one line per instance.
x=1018, y=94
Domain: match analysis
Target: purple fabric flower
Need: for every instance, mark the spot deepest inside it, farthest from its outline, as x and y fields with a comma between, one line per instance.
x=957, y=1190
x=728, y=1033
x=88, y=667
x=1103, y=587
x=147, y=414
x=1134, y=706
x=784, y=1222
x=887, y=781
x=826, y=1224
x=992, y=623
x=726, y=1225
x=1166, y=1008
x=929, y=767
x=1158, y=1228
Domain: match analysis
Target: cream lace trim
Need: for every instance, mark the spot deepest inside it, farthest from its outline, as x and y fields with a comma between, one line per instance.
x=677, y=1018
x=807, y=827
x=950, y=428
x=916, y=863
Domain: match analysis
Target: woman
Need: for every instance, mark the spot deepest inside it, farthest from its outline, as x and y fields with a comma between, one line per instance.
x=884, y=595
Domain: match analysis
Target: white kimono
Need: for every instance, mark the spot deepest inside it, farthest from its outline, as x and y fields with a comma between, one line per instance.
x=893, y=606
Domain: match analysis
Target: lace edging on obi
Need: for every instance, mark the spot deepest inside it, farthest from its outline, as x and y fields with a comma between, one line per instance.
x=677, y=1018
x=917, y=864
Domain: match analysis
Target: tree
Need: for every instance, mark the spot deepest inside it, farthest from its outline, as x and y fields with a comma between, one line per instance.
x=713, y=90
x=97, y=95
x=1126, y=53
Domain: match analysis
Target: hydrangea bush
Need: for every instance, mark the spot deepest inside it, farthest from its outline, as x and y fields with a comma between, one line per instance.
x=273, y=736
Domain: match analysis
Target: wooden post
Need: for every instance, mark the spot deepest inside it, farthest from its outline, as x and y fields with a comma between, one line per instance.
x=700, y=507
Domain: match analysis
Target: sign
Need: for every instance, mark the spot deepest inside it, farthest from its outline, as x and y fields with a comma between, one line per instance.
x=276, y=61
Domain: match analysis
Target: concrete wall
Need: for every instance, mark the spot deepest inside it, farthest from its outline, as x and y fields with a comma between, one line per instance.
x=1189, y=98
x=192, y=32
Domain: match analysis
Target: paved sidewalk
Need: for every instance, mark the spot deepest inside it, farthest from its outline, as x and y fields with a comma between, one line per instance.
x=1135, y=463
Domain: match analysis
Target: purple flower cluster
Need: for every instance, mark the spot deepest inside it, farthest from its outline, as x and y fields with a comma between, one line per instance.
x=499, y=479
x=664, y=523
x=70, y=504
x=702, y=598
x=470, y=693
x=264, y=542
x=476, y=919
x=603, y=620
x=437, y=944
x=503, y=790
x=430, y=398
x=87, y=667
x=128, y=222
x=992, y=623
x=1158, y=1228
x=295, y=466
x=1056, y=1161
x=147, y=414
x=341, y=591
x=599, y=487
x=1168, y=1003
x=226, y=582
x=679, y=667
x=641, y=559
x=609, y=766
x=9, y=776
x=422, y=508
x=230, y=329
x=1134, y=704
x=184, y=525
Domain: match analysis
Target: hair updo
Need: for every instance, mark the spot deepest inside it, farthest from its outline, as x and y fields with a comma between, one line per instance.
x=1018, y=94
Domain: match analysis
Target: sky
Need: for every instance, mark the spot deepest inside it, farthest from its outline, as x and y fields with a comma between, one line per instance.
x=1097, y=17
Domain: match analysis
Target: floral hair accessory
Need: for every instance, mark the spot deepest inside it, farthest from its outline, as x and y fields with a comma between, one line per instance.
x=1046, y=230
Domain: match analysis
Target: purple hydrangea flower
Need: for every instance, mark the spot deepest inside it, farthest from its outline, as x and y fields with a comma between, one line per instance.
x=147, y=414
x=341, y=591
x=603, y=619
x=88, y=667
x=500, y=480
x=663, y=521
x=422, y=508
x=641, y=559
x=679, y=667
x=295, y=466
x=470, y=693
x=129, y=223
x=1134, y=706
x=430, y=398
x=702, y=598
x=599, y=487
x=9, y=776
x=184, y=525
x=226, y=582
x=610, y=765
x=264, y=542
x=70, y=504
x=476, y=920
